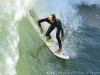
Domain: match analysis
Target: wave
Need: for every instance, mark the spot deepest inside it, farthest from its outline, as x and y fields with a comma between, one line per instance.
x=13, y=10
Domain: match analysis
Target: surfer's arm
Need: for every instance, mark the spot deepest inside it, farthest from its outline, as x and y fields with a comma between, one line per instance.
x=62, y=32
x=61, y=29
x=39, y=24
x=42, y=20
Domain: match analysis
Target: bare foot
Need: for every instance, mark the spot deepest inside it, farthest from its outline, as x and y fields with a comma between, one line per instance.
x=59, y=50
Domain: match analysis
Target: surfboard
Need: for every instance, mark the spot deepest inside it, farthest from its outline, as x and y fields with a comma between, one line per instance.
x=51, y=44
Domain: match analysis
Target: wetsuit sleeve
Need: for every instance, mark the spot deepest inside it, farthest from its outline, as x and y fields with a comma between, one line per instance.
x=42, y=20
x=62, y=32
x=61, y=29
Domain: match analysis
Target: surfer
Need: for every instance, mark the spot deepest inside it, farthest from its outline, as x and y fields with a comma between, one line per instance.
x=53, y=23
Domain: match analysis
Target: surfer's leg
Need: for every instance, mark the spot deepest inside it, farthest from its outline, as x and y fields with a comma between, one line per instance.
x=58, y=39
x=50, y=29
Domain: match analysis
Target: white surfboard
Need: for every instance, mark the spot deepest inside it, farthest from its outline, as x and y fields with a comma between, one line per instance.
x=52, y=45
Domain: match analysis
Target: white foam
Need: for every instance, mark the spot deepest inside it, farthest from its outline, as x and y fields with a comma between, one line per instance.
x=9, y=65
x=19, y=14
x=22, y=7
x=9, y=39
x=9, y=61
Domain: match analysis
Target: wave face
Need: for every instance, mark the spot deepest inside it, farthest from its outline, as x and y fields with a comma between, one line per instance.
x=18, y=39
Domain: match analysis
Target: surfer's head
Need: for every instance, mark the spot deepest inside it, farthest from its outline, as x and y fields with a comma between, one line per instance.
x=52, y=18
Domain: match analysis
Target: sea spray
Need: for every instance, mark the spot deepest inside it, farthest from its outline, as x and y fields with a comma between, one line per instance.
x=8, y=38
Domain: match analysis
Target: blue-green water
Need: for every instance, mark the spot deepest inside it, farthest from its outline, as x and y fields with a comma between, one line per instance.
x=22, y=52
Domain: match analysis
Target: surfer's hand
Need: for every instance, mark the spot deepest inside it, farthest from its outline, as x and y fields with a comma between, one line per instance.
x=62, y=38
x=41, y=30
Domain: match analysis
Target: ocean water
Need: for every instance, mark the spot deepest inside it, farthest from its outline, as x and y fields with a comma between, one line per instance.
x=22, y=52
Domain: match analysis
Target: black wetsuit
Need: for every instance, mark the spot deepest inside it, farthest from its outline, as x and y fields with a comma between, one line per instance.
x=56, y=24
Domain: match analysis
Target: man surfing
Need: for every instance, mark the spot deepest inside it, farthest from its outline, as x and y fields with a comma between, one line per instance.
x=53, y=23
